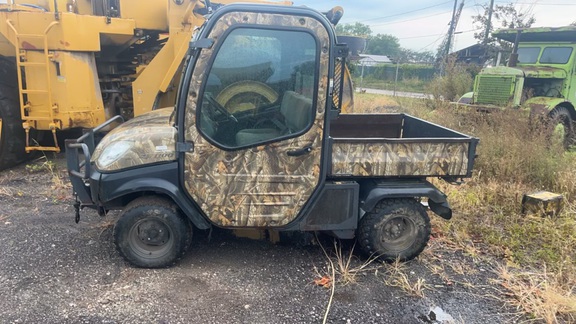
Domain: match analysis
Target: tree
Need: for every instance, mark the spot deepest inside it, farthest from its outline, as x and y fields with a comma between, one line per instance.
x=503, y=16
x=383, y=44
x=356, y=29
x=411, y=56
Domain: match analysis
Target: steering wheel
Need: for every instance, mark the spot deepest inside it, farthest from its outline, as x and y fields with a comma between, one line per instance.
x=219, y=107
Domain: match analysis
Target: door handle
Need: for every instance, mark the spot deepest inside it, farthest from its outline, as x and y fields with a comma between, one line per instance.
x=300, y=152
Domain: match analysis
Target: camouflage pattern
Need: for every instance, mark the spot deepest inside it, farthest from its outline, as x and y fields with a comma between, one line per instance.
x=260, y=186
x=399, y=159
x=150, y=137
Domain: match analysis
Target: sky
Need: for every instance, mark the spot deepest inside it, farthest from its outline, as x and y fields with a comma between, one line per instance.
x=421, y=25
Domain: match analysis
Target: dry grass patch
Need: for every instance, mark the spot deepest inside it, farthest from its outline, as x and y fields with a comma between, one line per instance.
x=396, y=276
x=544, y=295
x=347, y=267
x=373, y=103
x=514, y=158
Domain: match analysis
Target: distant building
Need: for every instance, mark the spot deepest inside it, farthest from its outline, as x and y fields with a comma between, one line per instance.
x=475, y=54
x=373, y=60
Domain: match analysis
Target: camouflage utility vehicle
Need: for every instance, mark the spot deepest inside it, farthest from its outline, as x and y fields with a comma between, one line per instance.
x=256, y=141
x=540, y=77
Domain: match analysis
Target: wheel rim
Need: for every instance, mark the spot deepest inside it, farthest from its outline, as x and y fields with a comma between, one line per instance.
x=151, y=238
x=397, y=234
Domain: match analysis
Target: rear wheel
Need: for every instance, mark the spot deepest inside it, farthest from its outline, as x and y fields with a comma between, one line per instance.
x=395, y=229
x=152, y=233
x=12, y=135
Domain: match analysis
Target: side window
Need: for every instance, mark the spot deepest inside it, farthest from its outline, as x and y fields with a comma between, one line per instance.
x=528, y=55
x=556, y=55
x=260, y=87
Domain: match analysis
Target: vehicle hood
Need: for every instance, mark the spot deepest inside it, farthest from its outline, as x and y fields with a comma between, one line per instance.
x=543, y=72
x=148, y=138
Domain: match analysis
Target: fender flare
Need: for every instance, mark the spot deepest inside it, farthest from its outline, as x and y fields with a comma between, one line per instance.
x=466, y=98
x=542, y=106
x=160, y=179
x=386, y=190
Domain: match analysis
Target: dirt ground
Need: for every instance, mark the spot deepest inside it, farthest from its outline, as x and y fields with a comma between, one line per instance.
x=55, y=271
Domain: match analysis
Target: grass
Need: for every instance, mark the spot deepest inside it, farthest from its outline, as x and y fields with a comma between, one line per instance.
x=396, y=276
x=514, y=158
x=373, y=103
x=407, y=85
x=60, y=186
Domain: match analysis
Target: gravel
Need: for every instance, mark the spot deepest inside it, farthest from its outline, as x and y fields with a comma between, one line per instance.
x=56, y=271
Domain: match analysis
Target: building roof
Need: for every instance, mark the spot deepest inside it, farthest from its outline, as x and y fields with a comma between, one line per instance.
x=369, y=59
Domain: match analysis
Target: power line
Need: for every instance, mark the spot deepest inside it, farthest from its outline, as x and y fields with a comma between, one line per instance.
x=416, y=18
x=540, y=4
x=431, y=44
x=413, y=19
x=407, y=12
x=423, y=36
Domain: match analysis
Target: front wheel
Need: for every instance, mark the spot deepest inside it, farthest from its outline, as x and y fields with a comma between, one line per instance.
x=562, y=127
x=395, y=229
x=151, y=233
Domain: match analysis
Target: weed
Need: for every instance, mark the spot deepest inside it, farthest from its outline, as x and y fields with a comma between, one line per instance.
x=45, y=165
x=540, y=293
x=373, y=103
x=6, y=192
x=456, y=81
x=396, y=276
x=514, y=158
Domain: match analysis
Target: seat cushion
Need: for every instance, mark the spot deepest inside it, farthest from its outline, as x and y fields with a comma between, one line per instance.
x=249, y=136
x=296, y=110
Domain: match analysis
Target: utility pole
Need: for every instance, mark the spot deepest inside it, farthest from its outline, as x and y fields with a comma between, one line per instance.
x=451, y=30
x=488, y=22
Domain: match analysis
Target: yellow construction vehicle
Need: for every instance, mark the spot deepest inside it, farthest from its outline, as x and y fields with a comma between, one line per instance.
x=72, y=64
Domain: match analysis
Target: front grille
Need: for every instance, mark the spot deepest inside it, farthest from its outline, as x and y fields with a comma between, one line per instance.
x=494, y=90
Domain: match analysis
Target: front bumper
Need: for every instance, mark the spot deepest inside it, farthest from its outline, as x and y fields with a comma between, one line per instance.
x=82, y=176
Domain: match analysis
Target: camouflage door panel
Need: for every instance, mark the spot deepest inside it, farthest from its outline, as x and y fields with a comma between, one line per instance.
x=262, y=185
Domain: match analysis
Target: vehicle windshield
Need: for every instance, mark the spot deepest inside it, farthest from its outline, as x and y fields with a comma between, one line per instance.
x=528, y=54
x=556, y=55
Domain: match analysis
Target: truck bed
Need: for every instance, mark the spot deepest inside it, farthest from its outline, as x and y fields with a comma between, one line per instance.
x=392, y=145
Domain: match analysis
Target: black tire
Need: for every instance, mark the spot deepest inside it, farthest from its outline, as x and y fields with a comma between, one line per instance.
x=152, y=233
x=12, y=135
x=562, y=127
x=395, y=229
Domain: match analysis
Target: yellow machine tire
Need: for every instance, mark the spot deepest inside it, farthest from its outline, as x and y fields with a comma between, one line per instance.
x=12, y=135
x=245, y=95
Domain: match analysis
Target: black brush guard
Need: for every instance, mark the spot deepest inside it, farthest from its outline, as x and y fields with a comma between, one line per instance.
x=78, y=155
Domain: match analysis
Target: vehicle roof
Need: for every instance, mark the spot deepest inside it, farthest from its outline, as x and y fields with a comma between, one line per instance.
x=538, y=34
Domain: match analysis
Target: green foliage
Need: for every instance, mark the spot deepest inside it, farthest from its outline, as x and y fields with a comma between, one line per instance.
x=356, y=29
x=455, y=82
x=387, y=72
x=503, y=16
x=383, y=44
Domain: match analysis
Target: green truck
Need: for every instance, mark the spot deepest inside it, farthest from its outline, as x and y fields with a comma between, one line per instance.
x=540, y=76
x=281, y=157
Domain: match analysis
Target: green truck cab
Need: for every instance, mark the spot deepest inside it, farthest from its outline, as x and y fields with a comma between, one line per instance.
x=540, y=77
x=256, y=141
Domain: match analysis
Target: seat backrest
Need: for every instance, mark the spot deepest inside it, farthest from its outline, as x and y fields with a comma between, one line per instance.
x=296, y=110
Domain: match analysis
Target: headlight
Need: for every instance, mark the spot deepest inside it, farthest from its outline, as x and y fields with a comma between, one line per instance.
x=113, y=153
